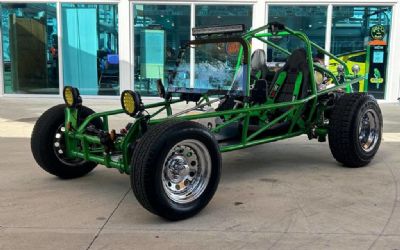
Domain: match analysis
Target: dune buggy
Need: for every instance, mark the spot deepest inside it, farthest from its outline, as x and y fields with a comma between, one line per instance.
x=239, y=100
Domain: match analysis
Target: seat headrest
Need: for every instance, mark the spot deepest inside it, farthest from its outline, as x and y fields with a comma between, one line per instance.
x=258, y=59
x=297, y=60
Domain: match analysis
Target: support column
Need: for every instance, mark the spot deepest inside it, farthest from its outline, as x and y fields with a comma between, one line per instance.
x=192, y=50
x=259, y=19
x=392, y=91
x=60, y=50
x=125, y=44
x=328, y=32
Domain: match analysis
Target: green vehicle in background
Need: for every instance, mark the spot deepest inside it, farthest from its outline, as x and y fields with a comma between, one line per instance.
x=174, y=162
x=352, y=58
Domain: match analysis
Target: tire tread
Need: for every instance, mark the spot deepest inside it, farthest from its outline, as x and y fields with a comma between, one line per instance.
x=342, y=141
x=41, y=145
x=141, y=166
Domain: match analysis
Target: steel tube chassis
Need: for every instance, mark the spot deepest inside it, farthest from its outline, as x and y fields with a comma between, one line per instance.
x=80, y=144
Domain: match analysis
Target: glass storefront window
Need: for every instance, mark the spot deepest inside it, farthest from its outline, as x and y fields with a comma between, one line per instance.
x=353, y=42
x=309, y=19
x=217, y=66
x=90, y=48
x=160, y=32
x=207, y=15
x=29, y=41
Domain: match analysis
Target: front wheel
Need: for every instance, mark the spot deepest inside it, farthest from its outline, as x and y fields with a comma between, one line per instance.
x=48, y=143
x=175, y=169
x=355, y=129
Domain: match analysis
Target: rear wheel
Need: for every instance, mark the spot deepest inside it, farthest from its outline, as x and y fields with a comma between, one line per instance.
x=175, y=169
x=48, y=143
x=355, y=129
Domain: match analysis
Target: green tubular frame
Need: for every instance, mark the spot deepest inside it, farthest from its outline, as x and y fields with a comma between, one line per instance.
x=80, y=144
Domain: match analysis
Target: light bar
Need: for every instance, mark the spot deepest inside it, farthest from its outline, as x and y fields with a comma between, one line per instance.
x=225, y=29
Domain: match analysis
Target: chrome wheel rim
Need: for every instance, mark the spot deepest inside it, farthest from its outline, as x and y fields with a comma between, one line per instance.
x=368, y=130
x=60, y=150
x=186, y=171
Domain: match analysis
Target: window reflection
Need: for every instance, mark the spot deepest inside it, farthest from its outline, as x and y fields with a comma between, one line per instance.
x=30, y=49
x=351, y=41
x=218, y=67
x=160, y=32
x=309, y=19
x=163, y=31
x=351, y=26
x=90, y=48
x=207, y=15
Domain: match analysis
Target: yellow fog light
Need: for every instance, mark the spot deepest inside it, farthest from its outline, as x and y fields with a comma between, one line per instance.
x=130, y=102
x=71, y=97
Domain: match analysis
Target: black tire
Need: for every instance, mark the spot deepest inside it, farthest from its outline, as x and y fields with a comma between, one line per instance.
x=43, y=143
x=345, y=135
x=149, y=157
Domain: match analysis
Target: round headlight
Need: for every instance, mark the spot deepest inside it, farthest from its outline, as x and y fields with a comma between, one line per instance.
x=130, y=102
x=340, y=68
x=355, y=69
x=71, y=96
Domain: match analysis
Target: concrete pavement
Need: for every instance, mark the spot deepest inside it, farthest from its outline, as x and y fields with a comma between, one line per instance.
x=284, y=195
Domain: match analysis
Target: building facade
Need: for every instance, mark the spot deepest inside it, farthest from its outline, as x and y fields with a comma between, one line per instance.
x=105, y=47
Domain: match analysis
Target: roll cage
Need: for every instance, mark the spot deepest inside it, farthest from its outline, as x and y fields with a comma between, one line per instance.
x=303, y=116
